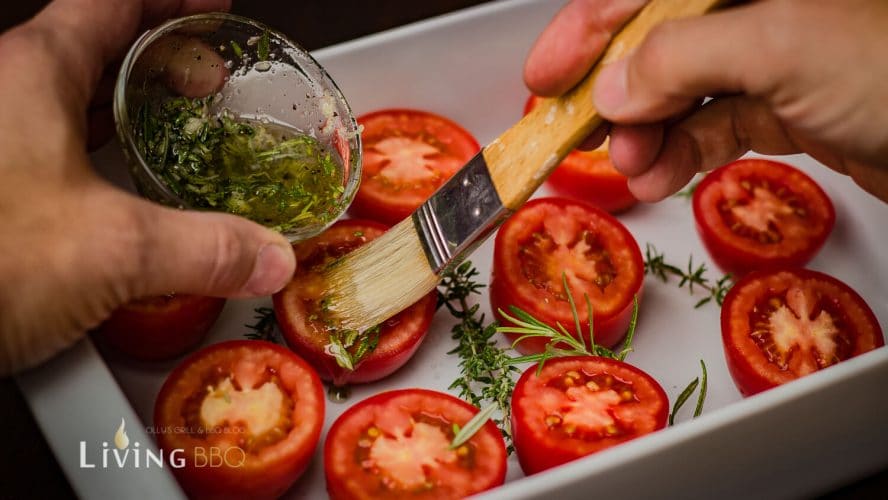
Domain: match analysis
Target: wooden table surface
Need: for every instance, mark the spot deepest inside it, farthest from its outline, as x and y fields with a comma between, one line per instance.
x=27, y=466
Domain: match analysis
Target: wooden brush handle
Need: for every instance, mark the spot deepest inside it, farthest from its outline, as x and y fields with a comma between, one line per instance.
x=522, y=157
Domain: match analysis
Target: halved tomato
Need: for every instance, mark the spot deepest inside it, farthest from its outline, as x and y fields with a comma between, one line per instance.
x=580, y=405
x=158, y=328
x=397, y=445
x=408, y=154
x=761, y=214
x=551, y=237
x=589, y=176
x=239, y=419
x=299, y=310
x=780, y=325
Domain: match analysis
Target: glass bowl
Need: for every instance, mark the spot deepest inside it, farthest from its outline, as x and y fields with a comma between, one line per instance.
x=219, y=67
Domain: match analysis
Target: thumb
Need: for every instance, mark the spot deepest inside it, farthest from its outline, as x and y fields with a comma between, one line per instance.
x=683, y=60
x=207, y=253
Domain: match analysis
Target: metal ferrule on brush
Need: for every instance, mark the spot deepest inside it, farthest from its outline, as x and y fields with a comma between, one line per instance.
x=459, y=215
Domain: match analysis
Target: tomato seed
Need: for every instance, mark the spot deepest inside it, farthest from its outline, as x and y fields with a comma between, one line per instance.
x=592, y=386
x=553, y=420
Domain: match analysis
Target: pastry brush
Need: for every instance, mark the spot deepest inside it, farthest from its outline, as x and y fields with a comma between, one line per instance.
x=387, y=275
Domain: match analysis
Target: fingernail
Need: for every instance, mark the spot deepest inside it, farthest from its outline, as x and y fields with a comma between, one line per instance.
x=273, y=270
x=610, y=94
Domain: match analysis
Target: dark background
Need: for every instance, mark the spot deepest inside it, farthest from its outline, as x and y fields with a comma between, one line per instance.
x=27, y=466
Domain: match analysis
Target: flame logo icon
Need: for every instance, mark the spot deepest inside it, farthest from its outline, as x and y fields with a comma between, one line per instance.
x=121, y=440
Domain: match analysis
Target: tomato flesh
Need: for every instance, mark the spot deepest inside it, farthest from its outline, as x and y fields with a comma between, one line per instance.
x=407, y=155
x=254, y=406
x=589, y=176
x=299, y=310
x=760, y=214
x=397, y=444
x=160, y=328
x=778, y=326
x=551, y=239
x=580, y=405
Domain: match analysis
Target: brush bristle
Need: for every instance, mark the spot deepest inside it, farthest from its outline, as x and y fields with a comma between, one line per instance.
x=379, y=279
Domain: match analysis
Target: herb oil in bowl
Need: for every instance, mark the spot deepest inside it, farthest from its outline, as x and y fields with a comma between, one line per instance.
x=217, y=112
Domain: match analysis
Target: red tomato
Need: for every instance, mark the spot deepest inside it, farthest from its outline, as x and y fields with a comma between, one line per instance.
x=397, y=445
x=598, y=255
x=580, y=405
x=589, y=176
x=760, y=214
x=254, y=406
x=408, y=154
x=780, y=325
x=158, y=328
x=300, y=316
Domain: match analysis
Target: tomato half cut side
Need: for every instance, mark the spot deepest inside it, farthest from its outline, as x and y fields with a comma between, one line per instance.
x=580, y=405
x=759, y=214
x=589, y=176
x=780, y=325
x=397, y=445
x=159, y=328
x=299, y=310
x=246, y=417
x=552, y=237
x=407, y=155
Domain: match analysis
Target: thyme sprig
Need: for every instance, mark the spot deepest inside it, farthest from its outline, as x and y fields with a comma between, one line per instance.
x=695, y=276
x=573, y=345
x=688, y=391
x=264, y=327
x=486, y=373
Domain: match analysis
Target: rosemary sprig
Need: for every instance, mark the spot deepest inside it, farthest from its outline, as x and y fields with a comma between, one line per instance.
x=264, y=327
x=688, y=391
x=572, y=345
x=486, y=373
x=695, y=276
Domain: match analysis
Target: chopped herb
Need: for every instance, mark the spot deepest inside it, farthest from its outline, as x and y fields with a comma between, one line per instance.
x=215, y=161
x=686, y=394
x=264, y=327
x=349, y=347
x=655, y=264
x=263, y=48
x=238, y=51
x=486, y=373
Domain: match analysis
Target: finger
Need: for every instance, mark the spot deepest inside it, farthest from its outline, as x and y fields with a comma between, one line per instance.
x=102, y=30
x=720, y=132
x=596, y=138
x=189, y=66
x=573, y=41
x=206, y=253
x=633, y=148
x=682, y=60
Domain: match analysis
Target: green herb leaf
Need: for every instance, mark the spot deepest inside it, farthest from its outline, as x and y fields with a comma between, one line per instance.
x=473, y=426
x=263, y=49
x=701, y=398
x=238, y=51
x=682, y=398
x=688, y=391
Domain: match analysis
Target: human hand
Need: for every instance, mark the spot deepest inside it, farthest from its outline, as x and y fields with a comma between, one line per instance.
x=74, y=247
x=787, y=76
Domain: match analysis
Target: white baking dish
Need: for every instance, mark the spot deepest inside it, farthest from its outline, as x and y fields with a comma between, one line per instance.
x=795, y=440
